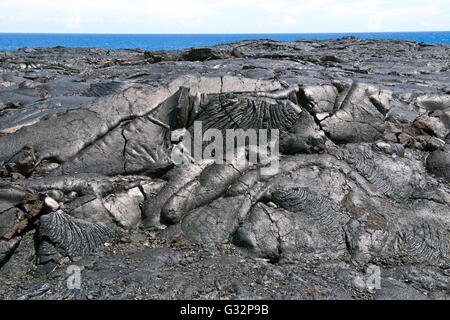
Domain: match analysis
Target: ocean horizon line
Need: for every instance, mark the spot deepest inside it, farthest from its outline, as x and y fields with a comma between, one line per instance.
x=222, y=33
x=180, y=41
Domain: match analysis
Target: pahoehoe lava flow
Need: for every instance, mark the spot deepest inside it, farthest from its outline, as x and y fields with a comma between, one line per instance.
x=87, y=176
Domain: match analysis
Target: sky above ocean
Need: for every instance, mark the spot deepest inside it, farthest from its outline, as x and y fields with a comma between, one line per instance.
x=179, y=24
x=223, y=16
x=15, y=41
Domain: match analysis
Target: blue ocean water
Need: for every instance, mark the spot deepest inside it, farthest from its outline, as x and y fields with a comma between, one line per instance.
x=14, y=41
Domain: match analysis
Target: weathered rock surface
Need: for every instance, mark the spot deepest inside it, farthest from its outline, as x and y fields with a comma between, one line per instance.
x=88, y=177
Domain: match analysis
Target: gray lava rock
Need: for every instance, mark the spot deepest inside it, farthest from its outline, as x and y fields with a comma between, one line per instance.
x=438, y=162
x=89, y=174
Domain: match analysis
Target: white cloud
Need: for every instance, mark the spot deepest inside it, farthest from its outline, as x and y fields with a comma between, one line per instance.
x=74, y=20
x=288, y=20
x=209, y=16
